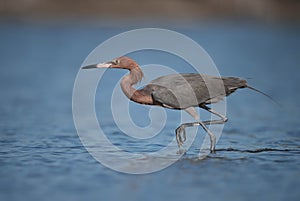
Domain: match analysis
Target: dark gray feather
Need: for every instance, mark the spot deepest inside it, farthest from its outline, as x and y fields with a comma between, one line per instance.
x=181, y=91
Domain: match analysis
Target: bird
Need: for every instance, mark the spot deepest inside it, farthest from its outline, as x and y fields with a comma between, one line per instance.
x=179, y=92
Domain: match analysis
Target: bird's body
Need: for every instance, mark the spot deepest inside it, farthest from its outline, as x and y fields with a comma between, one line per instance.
x=178, y=91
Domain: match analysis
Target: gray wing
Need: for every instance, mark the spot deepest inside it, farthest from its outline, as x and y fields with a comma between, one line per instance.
x=180, y=91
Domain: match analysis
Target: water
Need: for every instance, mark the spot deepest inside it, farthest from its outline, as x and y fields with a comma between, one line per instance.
x=42, y=158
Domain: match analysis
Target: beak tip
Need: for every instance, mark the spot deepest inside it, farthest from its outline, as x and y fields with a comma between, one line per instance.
x=89, y=66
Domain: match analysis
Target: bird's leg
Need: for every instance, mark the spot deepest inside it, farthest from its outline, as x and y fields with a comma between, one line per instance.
x=178, y=137
x=212, y=137
x=220, y=121
x=181, y=139
x=210, y=122
x=182, y=127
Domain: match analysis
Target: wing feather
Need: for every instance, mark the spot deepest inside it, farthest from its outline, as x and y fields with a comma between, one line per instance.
x=180, y=91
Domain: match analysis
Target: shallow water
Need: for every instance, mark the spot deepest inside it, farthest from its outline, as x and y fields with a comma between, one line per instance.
x=42, y=157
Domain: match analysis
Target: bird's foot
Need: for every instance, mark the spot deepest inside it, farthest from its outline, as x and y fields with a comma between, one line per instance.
x=180, y=138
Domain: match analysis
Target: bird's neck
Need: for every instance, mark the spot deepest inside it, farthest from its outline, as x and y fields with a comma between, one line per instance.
x=135, y=76
x=128, y=81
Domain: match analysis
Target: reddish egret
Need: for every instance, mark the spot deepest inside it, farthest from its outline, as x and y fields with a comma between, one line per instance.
x=178, y=91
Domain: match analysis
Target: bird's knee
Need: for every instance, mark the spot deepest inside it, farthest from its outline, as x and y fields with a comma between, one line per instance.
x=225, y=119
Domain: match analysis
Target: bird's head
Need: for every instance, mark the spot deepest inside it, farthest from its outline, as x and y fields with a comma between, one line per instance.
x=120, y=62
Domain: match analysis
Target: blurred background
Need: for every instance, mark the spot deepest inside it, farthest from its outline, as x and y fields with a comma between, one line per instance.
x=138, y=11
x=43, y=44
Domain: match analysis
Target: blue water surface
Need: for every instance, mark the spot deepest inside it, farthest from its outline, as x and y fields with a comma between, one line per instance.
x=42, y=157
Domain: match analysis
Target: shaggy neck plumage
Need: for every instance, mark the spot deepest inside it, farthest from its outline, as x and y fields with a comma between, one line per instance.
x=135, y=76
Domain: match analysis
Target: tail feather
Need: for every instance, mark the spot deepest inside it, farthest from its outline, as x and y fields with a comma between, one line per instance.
x=231, y=84
x=268, y=96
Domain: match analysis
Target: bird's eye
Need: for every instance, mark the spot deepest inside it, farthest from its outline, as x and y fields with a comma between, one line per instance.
x=116, y=62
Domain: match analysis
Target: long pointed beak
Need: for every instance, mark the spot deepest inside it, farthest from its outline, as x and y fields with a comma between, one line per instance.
x=100, y=65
